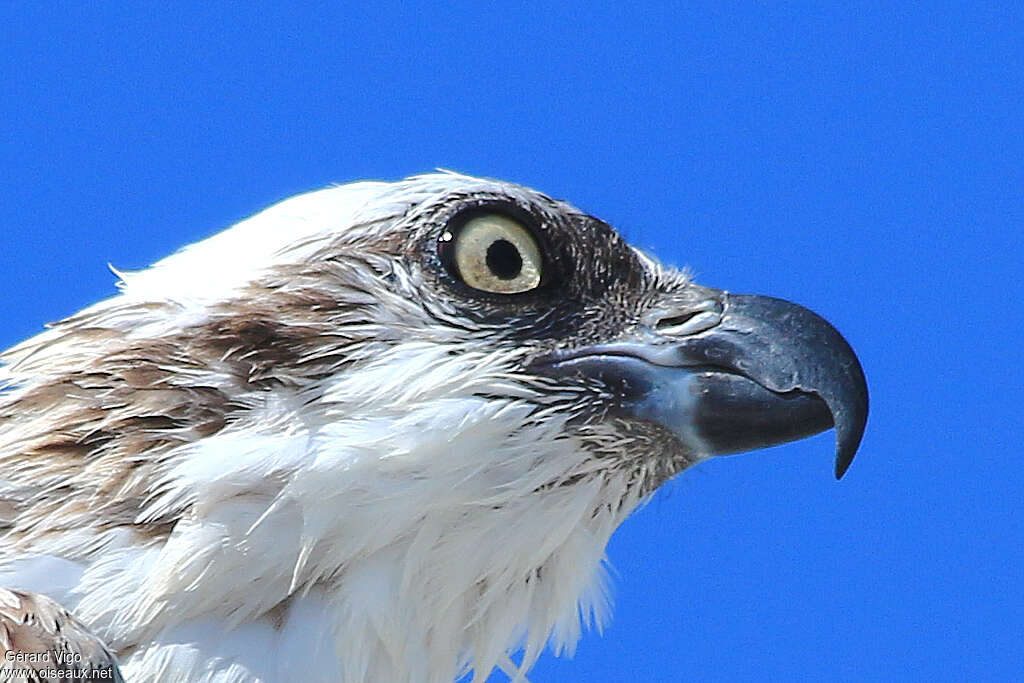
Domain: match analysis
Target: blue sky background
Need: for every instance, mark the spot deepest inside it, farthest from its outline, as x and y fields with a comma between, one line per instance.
x=864, y=160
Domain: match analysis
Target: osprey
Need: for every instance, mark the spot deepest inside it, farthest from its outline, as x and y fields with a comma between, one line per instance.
x=381, y=432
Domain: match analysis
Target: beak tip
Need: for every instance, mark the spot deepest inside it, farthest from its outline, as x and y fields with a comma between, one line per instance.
x=848, y=438
x=842, y=464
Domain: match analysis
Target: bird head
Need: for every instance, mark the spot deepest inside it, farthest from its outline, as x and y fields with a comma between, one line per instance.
x=432, y=401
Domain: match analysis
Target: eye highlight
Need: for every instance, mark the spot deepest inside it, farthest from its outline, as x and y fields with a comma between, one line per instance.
x=496, y=254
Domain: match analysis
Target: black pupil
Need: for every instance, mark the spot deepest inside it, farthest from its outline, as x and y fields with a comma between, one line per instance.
x=504, y=260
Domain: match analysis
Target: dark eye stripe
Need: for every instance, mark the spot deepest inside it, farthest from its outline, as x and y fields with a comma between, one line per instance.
x=592, y=282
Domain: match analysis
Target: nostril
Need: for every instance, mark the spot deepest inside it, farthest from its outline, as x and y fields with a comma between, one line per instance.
x=691, y=322
x=674, y=320
x=683, y=318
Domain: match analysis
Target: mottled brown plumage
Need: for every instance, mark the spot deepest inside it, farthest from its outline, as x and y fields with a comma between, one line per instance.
x=39, y=637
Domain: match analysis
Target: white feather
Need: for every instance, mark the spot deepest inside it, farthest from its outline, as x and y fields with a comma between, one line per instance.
x=403, y=527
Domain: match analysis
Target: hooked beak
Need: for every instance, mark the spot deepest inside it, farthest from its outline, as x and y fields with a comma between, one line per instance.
x=768, y=372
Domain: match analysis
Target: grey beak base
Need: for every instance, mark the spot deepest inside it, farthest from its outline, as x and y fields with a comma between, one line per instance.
x=770, y=372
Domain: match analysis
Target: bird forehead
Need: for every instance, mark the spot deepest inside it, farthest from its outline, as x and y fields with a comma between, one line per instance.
x=323, y=272
x=361, y=215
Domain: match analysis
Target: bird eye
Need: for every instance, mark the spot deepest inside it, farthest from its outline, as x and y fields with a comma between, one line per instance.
x=496, y=254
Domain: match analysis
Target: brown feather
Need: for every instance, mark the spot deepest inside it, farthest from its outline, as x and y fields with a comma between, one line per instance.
x=38, y=636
